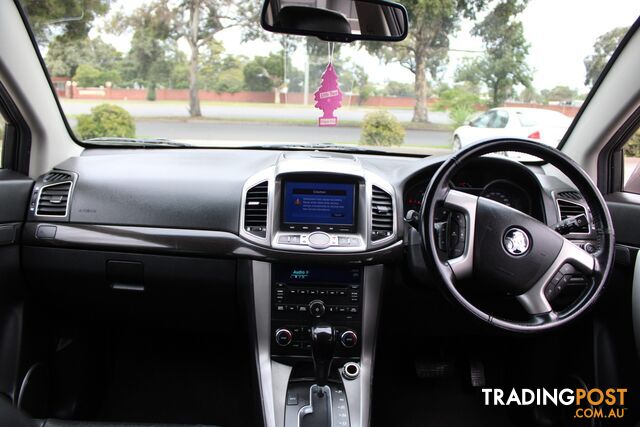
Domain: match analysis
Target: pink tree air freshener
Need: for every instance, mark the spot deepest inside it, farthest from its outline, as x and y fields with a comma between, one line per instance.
x=328, y=97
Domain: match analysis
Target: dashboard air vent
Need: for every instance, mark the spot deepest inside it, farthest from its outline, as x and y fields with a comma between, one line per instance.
x=571, y=195
x=381, y=214
x=53, y=199
x=255, y=209
x=568, y=209
x=57, y=176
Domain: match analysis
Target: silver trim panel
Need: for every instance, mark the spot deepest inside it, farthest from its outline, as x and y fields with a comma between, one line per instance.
x=462, y=266
x=273, y=377
x=320, y=163
x=534, y=301
x=66, y=208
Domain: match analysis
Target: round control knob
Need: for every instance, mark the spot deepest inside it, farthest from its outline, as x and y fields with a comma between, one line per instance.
x=590, y=247
x=283, y=337
x=349, y=339
x=316, y=308
x=319, y=240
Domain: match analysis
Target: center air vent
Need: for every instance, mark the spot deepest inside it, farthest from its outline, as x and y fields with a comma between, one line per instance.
x=53, y=199
x=255, y=209
x=568, y=209
x=381, y=214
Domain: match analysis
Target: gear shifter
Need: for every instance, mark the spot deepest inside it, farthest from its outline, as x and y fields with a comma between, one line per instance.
x=323, y=343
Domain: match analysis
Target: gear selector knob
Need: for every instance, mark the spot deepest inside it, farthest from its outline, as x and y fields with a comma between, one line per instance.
x=323, y=342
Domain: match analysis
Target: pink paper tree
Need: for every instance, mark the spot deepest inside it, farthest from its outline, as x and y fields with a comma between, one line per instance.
x=328, y=97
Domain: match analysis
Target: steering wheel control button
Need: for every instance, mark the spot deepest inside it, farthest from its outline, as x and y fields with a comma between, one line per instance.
x=317, y=308
x=516, y=241
x=559, y=281
x=457, y=233
x=283, y=337
x=319, y=240
x=349, y=339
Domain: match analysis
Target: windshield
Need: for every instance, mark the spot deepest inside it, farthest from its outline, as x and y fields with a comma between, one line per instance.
x=205, y=73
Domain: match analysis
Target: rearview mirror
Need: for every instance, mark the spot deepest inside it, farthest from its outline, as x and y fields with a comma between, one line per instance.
x=337, y=20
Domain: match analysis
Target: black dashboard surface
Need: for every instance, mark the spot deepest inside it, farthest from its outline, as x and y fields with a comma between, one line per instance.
x=187, y=188
x=201, y=189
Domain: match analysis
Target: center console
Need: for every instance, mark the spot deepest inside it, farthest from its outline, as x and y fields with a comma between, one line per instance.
x=316, y=329
x=316, y=320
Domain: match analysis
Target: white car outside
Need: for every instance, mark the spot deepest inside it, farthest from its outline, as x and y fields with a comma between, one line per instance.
x=546, y=126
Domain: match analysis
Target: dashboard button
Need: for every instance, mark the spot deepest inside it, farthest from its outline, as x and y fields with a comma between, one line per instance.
x=319, y=240
x=316, y=308
x=283, y=337
x=349, y=339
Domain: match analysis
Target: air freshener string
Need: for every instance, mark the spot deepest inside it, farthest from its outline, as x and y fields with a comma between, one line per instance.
x=331, y=48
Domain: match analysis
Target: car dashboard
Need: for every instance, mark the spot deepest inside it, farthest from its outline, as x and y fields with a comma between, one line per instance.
x=304, y=236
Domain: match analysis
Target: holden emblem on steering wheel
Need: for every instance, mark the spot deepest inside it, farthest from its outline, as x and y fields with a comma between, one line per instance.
x=516, y=241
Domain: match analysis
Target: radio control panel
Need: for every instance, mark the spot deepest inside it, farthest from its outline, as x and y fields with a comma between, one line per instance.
x=301, y=297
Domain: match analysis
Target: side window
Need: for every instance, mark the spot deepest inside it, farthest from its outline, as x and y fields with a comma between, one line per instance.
x=499, y=120
x=632, y=164
x=483, y=120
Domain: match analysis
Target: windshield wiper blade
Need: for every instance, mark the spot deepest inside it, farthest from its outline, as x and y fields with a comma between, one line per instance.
x=135, y=142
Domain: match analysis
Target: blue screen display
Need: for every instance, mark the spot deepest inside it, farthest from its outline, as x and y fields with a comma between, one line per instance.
x=318, y=203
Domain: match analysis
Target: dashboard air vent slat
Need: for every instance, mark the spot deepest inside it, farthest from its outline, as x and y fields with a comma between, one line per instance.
x=569, y=209
x=56, y=176
x=54, y=199
x=571, y=195
x=381, y=214
x=255, y=209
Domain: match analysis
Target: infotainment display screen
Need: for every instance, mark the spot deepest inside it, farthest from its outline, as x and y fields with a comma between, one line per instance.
x=319, y=205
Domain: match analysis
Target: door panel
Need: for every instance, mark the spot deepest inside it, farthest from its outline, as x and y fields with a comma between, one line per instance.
x=14, y=198
x=615, y=316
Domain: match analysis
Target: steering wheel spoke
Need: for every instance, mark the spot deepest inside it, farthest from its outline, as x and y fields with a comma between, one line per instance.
x=568, y=262
x=464, y=207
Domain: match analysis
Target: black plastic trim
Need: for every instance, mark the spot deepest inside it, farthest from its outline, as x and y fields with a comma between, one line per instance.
x=611, y=158
x=16, y=149
x=337, y=37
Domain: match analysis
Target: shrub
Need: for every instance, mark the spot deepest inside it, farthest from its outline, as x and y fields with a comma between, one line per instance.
x=230, y=81
x=151, y=93
x=106, y=120
x=88, y=76
x=459, y=101
x=632, y=147
x=381, y=128
x=460, y=114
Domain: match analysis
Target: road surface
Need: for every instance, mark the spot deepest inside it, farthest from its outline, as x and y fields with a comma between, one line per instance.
x=140, y=109
x=273, y=133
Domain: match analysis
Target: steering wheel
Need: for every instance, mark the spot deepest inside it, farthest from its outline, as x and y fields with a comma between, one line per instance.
x=517, y=254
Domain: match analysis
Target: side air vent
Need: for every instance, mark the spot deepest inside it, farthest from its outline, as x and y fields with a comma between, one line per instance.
x=54, y=199
x=255, y=209
x=57, y=176
x=381, y=214
x=568, y=209
x=571, y=195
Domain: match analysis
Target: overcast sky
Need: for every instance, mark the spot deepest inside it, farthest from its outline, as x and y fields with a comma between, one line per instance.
x=561, y=34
